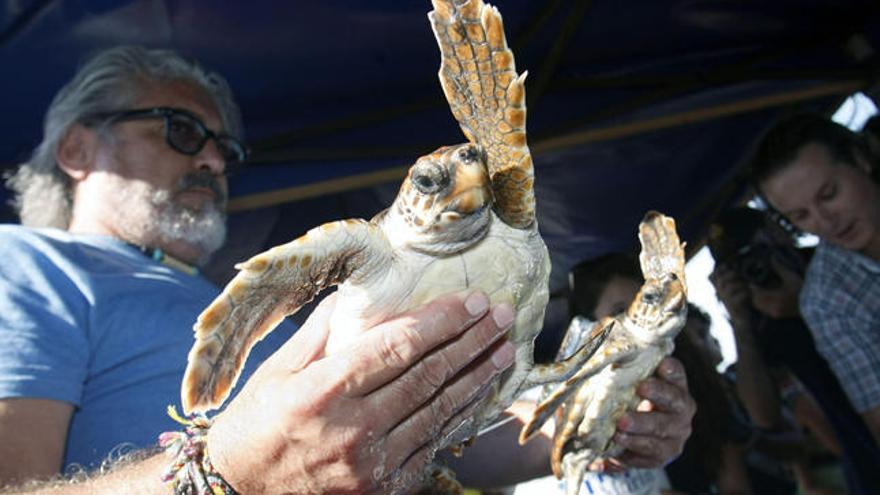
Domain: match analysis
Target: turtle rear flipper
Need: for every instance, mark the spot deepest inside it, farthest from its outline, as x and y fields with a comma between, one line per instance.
x=487, y=98
x=268, y=287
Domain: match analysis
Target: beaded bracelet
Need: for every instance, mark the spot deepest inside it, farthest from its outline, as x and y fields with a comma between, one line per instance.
x=191, y=471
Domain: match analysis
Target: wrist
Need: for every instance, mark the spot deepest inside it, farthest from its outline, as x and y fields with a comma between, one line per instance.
x=191, y=470
x=224, y=442
x=743, y=328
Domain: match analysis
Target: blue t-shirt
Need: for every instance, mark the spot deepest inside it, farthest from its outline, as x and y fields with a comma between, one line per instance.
x=91, y=321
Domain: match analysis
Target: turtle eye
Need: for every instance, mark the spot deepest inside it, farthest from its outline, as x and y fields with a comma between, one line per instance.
x=651, y=297
x=429, y=180
x=469, y=154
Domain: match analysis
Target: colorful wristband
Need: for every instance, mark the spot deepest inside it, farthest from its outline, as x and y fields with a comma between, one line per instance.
x=191, y=471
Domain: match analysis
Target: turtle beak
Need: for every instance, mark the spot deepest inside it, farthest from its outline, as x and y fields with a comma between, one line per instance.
x=471, y=200
x=675, y=296
x=472, y=189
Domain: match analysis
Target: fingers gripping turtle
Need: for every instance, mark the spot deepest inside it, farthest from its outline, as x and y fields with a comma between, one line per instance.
x=268, y=287
x=487, y=98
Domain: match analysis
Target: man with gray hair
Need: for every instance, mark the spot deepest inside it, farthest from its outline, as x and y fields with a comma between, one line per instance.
x=121, y=202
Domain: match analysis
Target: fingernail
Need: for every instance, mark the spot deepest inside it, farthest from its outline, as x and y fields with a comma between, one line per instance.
x=503, y=357
x=503, y=315
x=476, y=303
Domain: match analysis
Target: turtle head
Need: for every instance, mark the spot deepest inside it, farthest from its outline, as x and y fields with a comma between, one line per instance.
x=659, y=308
x=444, y=204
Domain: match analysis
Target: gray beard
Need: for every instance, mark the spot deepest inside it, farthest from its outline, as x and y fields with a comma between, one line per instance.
x=205, y=229
x=148, y=215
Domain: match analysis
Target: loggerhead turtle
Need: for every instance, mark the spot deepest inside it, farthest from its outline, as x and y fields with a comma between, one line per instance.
x=464, y=217
x=589, y=403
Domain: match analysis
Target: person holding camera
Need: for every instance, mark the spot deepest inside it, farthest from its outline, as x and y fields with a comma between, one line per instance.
x=822, y=178
x=758, y=277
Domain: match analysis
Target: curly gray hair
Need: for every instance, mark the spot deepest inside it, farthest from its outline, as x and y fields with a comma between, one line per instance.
x=110, y=81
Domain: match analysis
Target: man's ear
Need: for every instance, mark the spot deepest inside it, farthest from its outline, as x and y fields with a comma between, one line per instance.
x=77, y=150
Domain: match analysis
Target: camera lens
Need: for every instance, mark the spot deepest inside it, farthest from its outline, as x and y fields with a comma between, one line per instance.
x=755, y=266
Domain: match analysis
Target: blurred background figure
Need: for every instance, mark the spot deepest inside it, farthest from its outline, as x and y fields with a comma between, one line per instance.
x=758, y=277
x=871, y=134
x=820, y=177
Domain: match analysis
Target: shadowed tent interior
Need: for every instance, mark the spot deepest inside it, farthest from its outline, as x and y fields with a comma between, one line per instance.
x=633, y=105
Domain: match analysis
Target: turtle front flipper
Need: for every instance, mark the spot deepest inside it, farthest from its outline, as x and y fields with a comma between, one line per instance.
x=269, y=287
x=487, y=98
x=545, y=374
x=607, y=354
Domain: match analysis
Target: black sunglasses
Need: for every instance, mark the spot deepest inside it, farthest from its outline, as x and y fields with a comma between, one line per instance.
x=184, y=132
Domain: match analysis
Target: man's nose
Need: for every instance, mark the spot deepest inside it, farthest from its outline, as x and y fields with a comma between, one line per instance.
x=209, y=158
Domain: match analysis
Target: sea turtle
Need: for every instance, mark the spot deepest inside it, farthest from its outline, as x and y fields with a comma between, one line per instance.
x=464, y=217
x=589, y=403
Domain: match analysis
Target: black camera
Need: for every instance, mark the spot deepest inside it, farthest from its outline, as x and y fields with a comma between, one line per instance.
x=754, y=263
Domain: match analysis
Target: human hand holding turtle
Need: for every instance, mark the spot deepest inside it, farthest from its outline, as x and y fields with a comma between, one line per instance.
x=652, y=437
x=366, y=418
x=655, y=434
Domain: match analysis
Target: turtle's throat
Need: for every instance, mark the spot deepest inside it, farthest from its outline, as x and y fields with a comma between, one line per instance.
x=455, y=235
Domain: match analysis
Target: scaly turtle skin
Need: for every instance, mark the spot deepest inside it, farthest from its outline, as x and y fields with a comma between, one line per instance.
x=590, y=402
x=464, y=218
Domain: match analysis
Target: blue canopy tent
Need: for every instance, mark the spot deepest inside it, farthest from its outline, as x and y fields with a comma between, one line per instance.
x=633, y=105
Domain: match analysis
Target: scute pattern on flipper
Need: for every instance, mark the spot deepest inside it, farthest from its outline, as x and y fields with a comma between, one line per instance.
x=662, y=252
x=268, y=287
x=487, y=98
